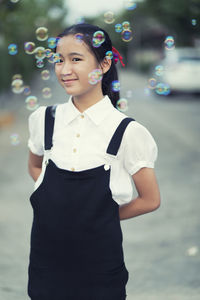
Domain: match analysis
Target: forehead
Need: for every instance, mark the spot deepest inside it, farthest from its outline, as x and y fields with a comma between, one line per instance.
x=71, y=43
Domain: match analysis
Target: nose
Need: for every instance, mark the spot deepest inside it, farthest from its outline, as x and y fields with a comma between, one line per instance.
x=66, y=70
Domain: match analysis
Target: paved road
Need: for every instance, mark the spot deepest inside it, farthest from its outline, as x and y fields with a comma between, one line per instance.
x=156, y=244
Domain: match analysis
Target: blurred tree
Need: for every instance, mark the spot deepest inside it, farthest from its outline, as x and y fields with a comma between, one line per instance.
x=18, y=22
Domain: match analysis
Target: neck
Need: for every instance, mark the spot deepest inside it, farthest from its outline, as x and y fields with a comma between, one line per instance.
x=82, y=102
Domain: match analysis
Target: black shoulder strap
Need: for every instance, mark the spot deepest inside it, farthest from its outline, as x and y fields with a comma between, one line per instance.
x=49, y=126
x=116, y=139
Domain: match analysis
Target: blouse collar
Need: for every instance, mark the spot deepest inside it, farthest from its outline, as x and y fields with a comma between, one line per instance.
x=96, y=112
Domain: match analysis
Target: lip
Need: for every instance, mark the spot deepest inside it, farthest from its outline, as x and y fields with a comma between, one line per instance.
x=68, y=80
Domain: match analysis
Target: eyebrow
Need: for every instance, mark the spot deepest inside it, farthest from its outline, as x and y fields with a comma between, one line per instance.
x=75, y=53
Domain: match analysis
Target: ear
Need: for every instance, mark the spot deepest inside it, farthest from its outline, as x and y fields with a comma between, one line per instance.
x=106, y=64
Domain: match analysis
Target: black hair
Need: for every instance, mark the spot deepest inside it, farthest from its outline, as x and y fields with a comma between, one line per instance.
x=87, y=31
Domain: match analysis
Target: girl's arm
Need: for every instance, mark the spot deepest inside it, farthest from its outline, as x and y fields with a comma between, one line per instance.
x=148, y=198
x=34, y=165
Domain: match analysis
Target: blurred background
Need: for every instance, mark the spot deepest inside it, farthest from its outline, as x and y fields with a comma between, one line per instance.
x=159, y=86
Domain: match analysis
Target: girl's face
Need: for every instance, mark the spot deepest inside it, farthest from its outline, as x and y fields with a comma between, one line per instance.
x=74, y=66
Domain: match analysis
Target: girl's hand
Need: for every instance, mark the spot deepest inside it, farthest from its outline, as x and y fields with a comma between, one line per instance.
x=148, y=195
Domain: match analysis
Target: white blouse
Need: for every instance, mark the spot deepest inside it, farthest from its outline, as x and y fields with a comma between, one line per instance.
x=80, y=141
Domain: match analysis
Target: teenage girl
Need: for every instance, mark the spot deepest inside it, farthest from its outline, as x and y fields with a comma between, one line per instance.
x=83, y=157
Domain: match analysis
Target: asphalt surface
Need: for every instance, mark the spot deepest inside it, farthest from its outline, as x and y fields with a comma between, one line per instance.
x=162, y=248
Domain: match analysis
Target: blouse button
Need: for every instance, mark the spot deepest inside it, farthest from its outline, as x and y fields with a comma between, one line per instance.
x=74, y=150
x=72, y=169
x=82, y=116
x=78, y=135
x=106, y=167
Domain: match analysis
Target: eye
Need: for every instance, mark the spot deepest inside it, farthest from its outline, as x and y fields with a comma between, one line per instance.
x=76, y=59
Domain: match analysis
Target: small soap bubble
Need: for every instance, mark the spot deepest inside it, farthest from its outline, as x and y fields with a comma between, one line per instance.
x=169, y=43
x=29, y=47
x=122, y=104
x=46, y=92
x=162, y=89
x=192, y=251
x=51, y=58
x=118, y=27
x=48, y=53
x=14, y=139
x=152, y=83
x=98, y=38
x=127, y=35
x=52, y=42
x=39, y=63
x=12, y=49
x=31, y=102
x=27, y=90
x=130, y=4
x=126, y=25
x=79, y=37
x=17, y=86
x=80, y=20
x=194, y=22
x=45, y=74
x=109, y=55
x=40, y=53
x=147, y=91
x=129, y=94
x=41, y=33
x=159, y=70
x=109, y=17
x=14, y=1
x=16, y=76
x=57, y=57
x=95, y=76
x=116, y=86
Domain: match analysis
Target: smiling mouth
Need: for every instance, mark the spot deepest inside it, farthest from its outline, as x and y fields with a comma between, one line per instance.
x=68, y=80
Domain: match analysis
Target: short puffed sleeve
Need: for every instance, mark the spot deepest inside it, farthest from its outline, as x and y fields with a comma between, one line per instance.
x=140, y=148
x=36, y=131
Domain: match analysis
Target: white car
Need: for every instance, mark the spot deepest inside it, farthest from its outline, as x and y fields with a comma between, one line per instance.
x=179, y=71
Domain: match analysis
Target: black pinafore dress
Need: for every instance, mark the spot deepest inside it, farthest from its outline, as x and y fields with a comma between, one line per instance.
x=76, y=239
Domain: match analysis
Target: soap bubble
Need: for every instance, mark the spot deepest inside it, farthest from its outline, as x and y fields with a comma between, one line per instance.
x=14, y=139
x=16, y=76
x=46, y=92
x=45, y=74
x=40, y=53
x=95, y=76
x=162, y=89
x=159, y=70
x=192, y=251
x=14, y=1
x=116, y=86
x=98, y=38
x=118, y=27
x=122, y=104
x=152, y=83
x=169, y=43
x=29, y=47
x=194, y=22
x=42, y=33
x=39, y=63
x=48, y=53
x=27, y=90
x=12, y=49
x=109, y=17
x=79, y=37
x=126, y=25
x=52, y=42
x=127, y=35
x=31, y=102
x=17, y=86
x=130, y=4
x=109, y=55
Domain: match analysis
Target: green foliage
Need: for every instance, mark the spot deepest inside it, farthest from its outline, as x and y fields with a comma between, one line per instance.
x=18, y=22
